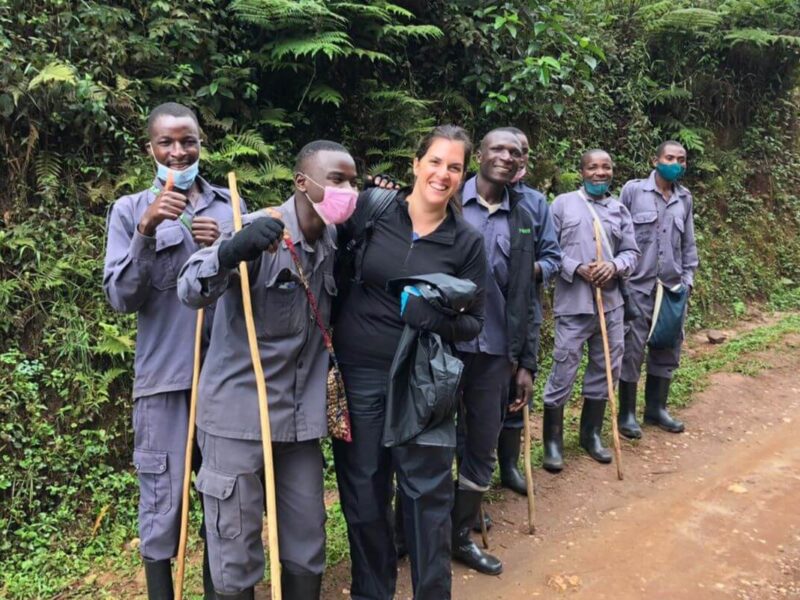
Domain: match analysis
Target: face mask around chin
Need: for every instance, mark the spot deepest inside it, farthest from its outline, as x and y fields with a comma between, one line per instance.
x=181, y=180
x=596, y=189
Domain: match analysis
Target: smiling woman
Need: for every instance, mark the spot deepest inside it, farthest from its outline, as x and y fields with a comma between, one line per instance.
x=419, y=232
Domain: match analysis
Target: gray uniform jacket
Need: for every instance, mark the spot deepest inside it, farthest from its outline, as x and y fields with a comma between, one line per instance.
x=664, y=233
x=140, y=276
x=574, y=225
x=292, y=352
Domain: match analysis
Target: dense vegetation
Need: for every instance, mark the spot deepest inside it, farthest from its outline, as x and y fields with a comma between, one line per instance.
x=266, y=76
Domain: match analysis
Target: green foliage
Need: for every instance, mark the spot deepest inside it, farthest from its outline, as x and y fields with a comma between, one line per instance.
x=267, y=76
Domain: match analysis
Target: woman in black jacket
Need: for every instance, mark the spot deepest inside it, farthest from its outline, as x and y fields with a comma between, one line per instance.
x=420, y=232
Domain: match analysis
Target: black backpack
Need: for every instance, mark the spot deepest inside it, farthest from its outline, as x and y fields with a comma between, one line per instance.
x=350, y=256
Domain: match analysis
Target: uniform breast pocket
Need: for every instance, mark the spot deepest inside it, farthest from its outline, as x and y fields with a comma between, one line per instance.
x=168, y=262
x=644, y=225
x=569, y=233
x=283, y=306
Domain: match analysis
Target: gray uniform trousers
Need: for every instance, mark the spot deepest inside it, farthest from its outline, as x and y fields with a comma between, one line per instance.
x=660, y=362
x=571, y=332
x=160, y=425
x=231, y=481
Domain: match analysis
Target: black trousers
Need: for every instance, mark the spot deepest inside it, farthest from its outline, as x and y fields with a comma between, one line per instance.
x=364, y=472
x=485, y=387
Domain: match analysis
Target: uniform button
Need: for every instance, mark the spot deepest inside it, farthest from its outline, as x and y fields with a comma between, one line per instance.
x=300, y=365
x=161, y=468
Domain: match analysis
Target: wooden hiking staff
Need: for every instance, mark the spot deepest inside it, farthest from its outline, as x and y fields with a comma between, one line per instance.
x=263, y=406
x=187, y=463
x=526, y=420
x=598, y=237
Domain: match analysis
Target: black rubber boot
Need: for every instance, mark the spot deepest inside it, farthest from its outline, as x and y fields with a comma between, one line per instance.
x=158, y=574
x=465, y=510
x=248, y=594
x=487, y=519
x=626, y=419
x=553, y=434
x=591, y=429
x=508, y=444
x=656, y=392
x=298, y=586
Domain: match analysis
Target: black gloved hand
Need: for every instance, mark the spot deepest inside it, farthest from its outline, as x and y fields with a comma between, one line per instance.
x=250, y=242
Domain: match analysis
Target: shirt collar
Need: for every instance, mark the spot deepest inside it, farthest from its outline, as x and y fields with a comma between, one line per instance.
x=469, y=194
x=208, y=193
x=678, y=191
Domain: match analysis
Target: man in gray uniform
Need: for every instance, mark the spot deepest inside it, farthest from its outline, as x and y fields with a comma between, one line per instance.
x=295, y=363
x=576, y=320
x=150, y=235
x=663, y=220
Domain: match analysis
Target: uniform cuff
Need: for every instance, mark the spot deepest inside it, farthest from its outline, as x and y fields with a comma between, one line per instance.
x=568, y=268
x=143, y=247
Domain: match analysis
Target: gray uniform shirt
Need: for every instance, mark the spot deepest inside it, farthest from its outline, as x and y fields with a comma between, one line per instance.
x=664, y=233
x=574, y=226
x=293, y=355
x=140, y=276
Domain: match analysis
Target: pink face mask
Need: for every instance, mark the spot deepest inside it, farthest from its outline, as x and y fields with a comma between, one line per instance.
x=520, y=174
x=337, y=205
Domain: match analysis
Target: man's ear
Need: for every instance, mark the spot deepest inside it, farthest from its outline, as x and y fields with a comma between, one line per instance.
x=478, y=155
x=300, y=182
x=149, y=147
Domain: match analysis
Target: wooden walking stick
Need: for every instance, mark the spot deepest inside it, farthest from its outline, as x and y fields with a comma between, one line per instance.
x=187, y=463
x=263, y=406
x=526, y=419
x=609, y=377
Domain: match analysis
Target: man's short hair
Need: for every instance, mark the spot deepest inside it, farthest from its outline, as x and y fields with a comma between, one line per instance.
x=663, y=146
x=171, y=109
x=512, y=130
x=586, y=155
x=311, y=148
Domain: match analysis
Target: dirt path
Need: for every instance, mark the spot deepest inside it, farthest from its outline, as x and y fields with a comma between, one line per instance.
x=710, y=514
x=713, y=513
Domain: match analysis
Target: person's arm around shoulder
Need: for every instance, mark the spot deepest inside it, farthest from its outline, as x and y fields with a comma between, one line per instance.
x=129, y=259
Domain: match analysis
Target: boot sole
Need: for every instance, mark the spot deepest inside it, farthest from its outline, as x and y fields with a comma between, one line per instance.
x=553, y=468
x=630, y=434
x=667, y=428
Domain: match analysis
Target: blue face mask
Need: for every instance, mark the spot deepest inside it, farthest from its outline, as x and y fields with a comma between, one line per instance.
x=182, y=180
x=670, y=171
x=596, y=189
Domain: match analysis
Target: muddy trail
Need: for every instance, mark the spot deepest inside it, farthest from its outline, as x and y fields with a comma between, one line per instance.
x=711, y=513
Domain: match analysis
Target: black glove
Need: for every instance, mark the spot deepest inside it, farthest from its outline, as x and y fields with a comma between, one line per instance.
x=250, y=242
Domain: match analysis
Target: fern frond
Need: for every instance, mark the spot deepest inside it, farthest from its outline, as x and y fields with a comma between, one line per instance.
x=270, y=172
x=760, y=38
x=369, y=11
x=274, y=117
x=398, y=11
x=687, y=19
x=397, y=97
x=330, y=43
x=372, y=55
x=673, y=92
x=54, y=72
x=324, y=94
x=277, y=15
x=406, y=32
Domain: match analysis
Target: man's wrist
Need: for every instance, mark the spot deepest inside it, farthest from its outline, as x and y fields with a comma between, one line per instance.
x=144, y=228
